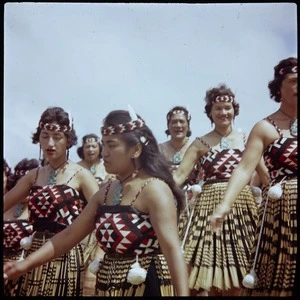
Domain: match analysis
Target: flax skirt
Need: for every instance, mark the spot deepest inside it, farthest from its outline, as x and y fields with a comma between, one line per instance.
x=220, y=259
x=112, y=277
x=9, y=288
x=59, y=277
x=277, y=252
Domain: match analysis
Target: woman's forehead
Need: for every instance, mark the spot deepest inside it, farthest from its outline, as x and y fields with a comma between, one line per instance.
x=116, y=138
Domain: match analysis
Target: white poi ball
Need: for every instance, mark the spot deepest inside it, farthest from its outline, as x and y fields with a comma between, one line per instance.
x=275, y=191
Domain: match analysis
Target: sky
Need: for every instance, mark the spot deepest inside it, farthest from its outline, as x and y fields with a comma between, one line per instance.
x=91, y=58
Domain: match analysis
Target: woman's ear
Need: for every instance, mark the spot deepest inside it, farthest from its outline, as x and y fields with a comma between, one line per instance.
x=137, y=150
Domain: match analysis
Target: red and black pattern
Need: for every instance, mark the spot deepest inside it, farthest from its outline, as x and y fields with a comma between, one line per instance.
x=13, y=232
x=125, y=230
x=220, y=164
x=281, y=158
x=121, y=128
x=276, y=256
x=58, y=204
x=55, y=127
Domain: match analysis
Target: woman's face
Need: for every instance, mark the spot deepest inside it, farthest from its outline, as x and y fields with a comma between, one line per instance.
x=222, y=113
x=91, y=151
x=178, y=126
x=289, y=88
x=117, y=156
x=53, y=143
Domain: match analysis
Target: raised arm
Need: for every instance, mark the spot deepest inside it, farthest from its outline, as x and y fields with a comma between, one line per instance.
x=241, y=176
x=190, y=158
x=59, y=244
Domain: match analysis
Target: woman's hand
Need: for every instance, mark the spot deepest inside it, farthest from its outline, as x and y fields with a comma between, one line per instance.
x=218, y=216
x=13, y=270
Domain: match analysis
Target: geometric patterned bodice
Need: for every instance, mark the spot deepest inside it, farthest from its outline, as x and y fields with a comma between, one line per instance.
x=13, y=232
x=281, y=156
x=219, y=164
x=54, y=207
x=124, y=229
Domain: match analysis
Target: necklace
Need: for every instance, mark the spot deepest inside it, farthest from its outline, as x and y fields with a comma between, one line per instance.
x=177, y=156
x=293, y=124
x=19, y=210
x=117, y=197
x=93, y=169
x=224, y=143
x=52, y=176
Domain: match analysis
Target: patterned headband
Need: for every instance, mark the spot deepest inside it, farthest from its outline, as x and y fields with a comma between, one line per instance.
x=21, y=172
x=91, y=140
x=224, y=98
x=286, y=70
x=55, y=127
x=122, y=128
x=178, y=112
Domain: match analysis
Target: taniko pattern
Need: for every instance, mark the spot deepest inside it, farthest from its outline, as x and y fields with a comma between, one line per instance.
x=126, y=231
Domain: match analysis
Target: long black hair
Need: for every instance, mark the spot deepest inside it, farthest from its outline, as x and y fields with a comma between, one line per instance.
x=152, y=160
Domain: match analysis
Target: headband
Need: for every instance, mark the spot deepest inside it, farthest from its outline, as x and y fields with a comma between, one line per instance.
x=286, y=70
x=178, y=112
x=122, y=128
x=91, y=140
x=21, y=172
x=224, y=98
x=55, y=127
x=135, y=123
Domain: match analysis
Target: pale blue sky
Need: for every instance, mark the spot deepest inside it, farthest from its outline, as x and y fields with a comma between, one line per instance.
x=91, y=58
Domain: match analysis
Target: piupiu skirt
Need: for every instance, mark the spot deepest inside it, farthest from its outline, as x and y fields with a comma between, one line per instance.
x=184, y=216
x=277, y=251
x=10, y=286
x=220, y=259
x=112, y=276
x=59, y=277
x=89, y=246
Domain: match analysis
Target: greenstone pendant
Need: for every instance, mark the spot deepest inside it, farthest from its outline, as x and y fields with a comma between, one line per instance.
x=93, y=169
x=19, y=210
x=52, y=178
x=224, y=144
x=117, y=194
x=294, y=128
x=176, y=158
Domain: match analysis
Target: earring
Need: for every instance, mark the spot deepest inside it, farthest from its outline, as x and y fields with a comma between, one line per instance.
x=136, y=170
x=68, y=154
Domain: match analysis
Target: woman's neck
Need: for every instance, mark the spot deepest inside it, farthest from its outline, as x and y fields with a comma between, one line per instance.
x=178, y=144
x=57, y=163
x=223, y=131
x=89, y=164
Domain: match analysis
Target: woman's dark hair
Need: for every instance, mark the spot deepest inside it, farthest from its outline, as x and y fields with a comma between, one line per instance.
x=6, y=168
x=88, y=136
x=187, y=115
x=20, y=170
x=152, y=161
x=59, y=116
x=275, y=84
x=213, y=93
